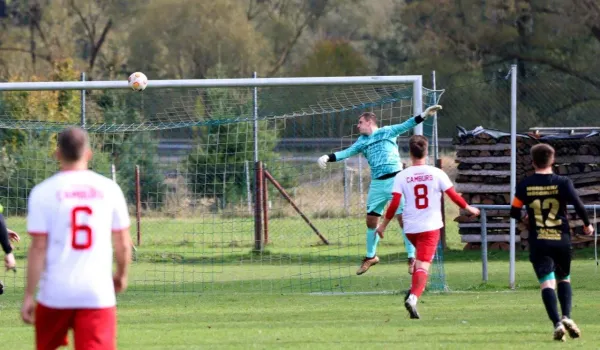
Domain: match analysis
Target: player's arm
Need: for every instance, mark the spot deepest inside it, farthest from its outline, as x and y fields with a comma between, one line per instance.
x=36, y=263
x=574, y=200
x=389, y=213
x=122, y=247
x=399, y=129
x=37, y=227
x=354, y=149
x=460, y=201
x=516, y=209
x=4, y=237
x=121, y=240
x=36, y=260
x=518, y=203
x=447, y=187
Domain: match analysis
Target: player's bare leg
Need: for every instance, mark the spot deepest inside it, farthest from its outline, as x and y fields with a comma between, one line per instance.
x=372, y=240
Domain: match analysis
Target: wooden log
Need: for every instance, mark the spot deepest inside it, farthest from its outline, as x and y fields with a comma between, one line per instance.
x=463, y=153
x=503, y=173
x=472, y=246
x=478, y=188
x=578, y=159
x=486, y=147
x=490, y=238
x=489, y=225
x=479, y=160
x=503, y=246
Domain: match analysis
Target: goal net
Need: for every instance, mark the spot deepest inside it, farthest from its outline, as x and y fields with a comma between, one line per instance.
x=185, y=153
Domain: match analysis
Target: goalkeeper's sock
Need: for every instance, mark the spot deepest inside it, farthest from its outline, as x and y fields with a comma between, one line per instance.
x=549, y=298
x=564, y=296
x=410, y=248
x=372, y=240
x=419, y=281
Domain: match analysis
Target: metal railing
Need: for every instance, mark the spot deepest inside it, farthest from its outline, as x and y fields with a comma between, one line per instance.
x=484, y=238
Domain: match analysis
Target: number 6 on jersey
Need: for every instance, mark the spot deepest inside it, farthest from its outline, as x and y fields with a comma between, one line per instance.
x=81, y=233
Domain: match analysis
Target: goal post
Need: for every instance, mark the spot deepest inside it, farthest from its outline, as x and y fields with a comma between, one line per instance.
x=181, y=150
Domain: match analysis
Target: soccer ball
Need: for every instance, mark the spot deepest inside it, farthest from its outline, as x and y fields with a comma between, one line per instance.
x=137, y=81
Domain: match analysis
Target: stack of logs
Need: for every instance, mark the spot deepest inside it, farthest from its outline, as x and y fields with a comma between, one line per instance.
x=484, y=178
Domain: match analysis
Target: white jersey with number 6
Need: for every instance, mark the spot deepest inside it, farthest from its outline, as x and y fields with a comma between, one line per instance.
x=78, y=211
x=422, y=187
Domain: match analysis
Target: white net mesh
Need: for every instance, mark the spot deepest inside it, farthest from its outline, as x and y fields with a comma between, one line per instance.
x=194, y=148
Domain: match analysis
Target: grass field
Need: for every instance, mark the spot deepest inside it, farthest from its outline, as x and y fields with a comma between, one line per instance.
x=196, y=285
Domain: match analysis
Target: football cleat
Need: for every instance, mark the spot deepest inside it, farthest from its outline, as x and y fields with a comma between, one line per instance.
x=559, y=332
x=571, y=327
x=366, y=264
x=410, y=303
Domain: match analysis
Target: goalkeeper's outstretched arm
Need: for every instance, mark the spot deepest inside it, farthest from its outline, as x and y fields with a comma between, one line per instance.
x=341, y=155
x=401, y=128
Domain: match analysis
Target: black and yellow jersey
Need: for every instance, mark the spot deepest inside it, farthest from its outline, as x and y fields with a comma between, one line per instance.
x=546, y=197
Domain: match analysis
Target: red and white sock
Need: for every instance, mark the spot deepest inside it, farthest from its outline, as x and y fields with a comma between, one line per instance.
x=419, y=282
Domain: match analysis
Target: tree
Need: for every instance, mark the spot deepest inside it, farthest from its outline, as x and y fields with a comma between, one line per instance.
x=471, y=46
x=284, y=22
x=331, y=58
x=60, y=29
x=128, y=150
x=197, y=37
x=216, y=169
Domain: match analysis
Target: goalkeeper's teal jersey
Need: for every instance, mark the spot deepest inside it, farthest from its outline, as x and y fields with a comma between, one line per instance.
x=380, y=148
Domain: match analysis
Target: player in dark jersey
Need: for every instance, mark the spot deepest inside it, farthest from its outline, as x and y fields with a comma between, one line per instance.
x=546, y=196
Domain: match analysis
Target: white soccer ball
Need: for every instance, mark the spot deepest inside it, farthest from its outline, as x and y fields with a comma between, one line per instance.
x=138, y=81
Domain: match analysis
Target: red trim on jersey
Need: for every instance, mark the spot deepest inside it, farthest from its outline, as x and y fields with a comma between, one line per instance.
x=38, y=233
x=456, y=198
x=391, y=210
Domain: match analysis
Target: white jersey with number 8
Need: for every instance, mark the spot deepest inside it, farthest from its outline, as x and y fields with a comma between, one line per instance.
x=422, y=187
x=78, y=211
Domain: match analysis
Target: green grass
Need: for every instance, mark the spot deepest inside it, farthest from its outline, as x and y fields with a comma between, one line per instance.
x=186, y=294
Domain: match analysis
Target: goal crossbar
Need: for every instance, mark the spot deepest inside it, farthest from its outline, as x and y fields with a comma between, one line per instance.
x=416, y=80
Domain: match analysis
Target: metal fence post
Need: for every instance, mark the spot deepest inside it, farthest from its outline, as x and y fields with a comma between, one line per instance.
x=484, y=247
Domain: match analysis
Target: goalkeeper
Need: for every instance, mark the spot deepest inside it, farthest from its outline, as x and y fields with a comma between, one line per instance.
x=6, y=236
x=379, y=146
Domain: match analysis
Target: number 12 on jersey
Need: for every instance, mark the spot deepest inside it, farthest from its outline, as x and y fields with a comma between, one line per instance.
x=421, y=199
x=85, y=240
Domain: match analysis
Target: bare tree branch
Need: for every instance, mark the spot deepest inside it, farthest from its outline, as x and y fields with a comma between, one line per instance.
x=557, y=66
x=83, y=21
x=27, y=51
x=96, y=46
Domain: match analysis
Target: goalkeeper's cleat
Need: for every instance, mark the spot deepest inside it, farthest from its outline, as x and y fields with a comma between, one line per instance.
x=366, y=264
x=411, y=266
x=1, y=288
x=571, y=327
x=559, y=332
x=410, y=303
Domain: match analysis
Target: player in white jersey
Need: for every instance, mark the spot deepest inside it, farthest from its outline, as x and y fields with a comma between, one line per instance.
x=75, y=217
x=422, y=186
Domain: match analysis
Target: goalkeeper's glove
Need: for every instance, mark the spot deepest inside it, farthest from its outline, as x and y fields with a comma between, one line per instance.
x=430, y=111
x=323, y=161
